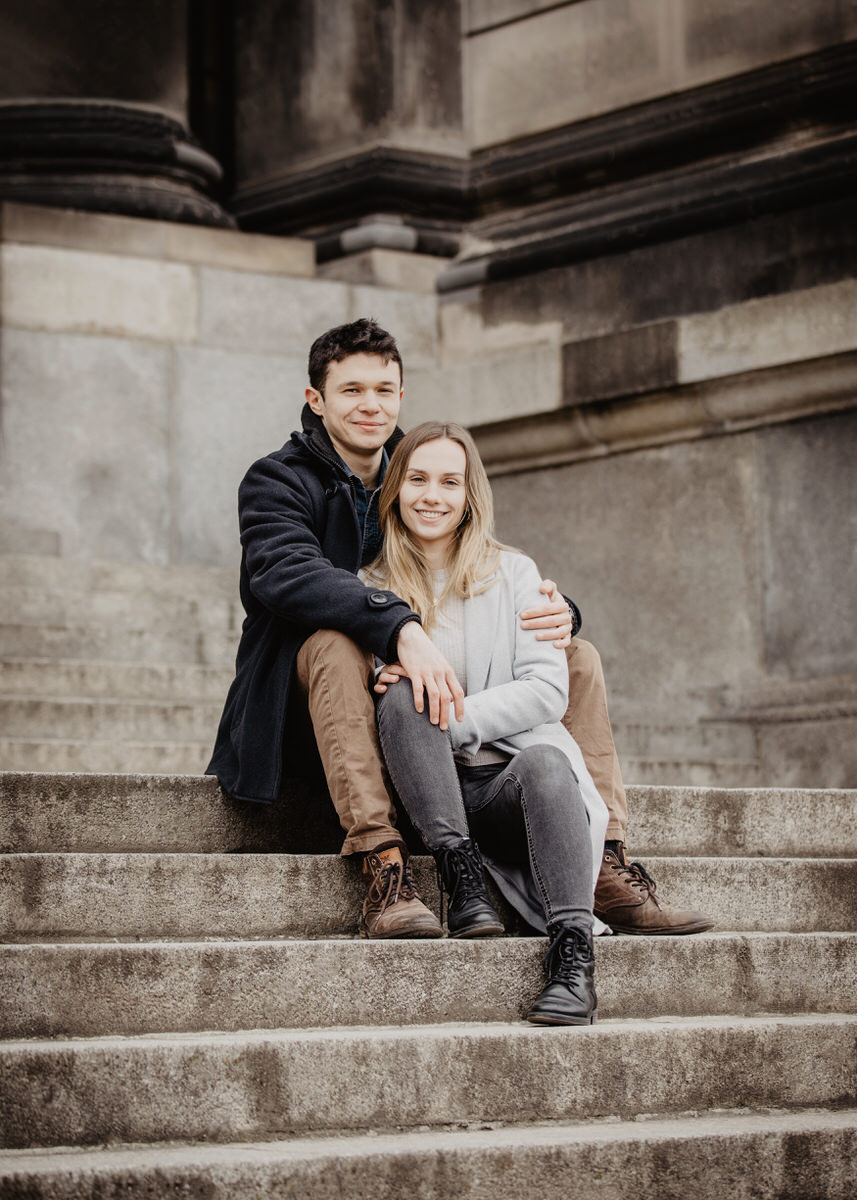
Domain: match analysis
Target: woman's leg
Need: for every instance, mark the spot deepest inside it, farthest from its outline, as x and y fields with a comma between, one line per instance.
x=532, y=808
x=419, y=760
x=537, y=795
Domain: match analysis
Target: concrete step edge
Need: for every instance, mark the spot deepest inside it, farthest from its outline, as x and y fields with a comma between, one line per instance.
x=50, y=896
x=535, y=1160
x=91, y=989
x=228, y=1087
x=131, y=810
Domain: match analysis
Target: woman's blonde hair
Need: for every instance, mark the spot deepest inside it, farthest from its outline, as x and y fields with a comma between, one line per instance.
x=401, y=565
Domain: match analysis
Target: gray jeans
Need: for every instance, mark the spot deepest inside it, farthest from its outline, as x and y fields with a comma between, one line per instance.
x=528, y=811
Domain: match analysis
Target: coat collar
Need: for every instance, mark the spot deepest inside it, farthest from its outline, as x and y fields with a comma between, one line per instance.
x=315, y=439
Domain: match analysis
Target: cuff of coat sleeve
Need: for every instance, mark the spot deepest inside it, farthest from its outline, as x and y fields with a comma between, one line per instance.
x=463, y=734
x=392, y=652
x=576, y=617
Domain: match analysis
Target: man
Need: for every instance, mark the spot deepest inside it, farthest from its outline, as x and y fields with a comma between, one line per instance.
x=309, y=520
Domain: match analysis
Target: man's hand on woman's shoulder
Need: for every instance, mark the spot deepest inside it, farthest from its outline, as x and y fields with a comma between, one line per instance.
x=552, y=621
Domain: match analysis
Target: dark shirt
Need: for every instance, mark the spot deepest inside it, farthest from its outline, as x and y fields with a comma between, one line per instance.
x=367, y=510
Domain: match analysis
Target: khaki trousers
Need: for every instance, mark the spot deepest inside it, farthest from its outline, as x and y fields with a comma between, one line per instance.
x=588, y=722
x=333, y=674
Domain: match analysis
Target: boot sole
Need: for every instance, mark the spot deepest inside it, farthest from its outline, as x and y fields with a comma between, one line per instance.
x=556, y=1019
x=401, y=936
x=694, y=927
x=490, y=929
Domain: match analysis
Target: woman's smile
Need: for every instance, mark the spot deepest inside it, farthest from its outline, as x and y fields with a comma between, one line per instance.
x=433, y=495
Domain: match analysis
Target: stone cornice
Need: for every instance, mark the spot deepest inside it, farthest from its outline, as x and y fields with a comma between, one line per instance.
x=714, y=407
x=767, y=139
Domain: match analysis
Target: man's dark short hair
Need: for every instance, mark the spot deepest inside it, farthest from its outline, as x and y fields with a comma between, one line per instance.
x=364, y=336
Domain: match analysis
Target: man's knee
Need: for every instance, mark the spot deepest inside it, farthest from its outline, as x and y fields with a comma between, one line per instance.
x=331, y=650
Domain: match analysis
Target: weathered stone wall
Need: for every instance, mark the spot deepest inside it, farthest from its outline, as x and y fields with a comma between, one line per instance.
x=535, y=66
x=144, y=366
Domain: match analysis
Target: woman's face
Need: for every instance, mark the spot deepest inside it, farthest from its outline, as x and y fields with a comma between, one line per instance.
x=433, y=497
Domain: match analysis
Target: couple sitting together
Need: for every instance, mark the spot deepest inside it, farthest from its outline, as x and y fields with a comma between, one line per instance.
x=372, y=579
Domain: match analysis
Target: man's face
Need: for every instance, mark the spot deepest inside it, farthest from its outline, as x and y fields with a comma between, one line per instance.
x=359, y=405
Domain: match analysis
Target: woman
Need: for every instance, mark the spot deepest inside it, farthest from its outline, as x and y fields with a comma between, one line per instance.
x=507, y=779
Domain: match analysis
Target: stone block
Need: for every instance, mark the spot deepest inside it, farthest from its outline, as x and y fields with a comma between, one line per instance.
x=768, y=331
x=491, y=389
x=635, y=360
x=724, y=37
x=660, y=550
x=228, y=248
x=802, y=751
x=410, y=316
x=76, y=291
x=250, y=312
x=105, y=233
x=566, y=64
x=481, y=13
x=381, y=267
x=701, y=273
x=85, y=453
x=229, y=410
x=808, y=489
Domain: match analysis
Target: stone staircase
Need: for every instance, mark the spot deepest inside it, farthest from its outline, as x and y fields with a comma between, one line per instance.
x=186, y=1010
x=112, y=666
x=185, y=1007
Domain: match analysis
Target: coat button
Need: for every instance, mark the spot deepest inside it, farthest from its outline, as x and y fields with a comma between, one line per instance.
x=379, y=598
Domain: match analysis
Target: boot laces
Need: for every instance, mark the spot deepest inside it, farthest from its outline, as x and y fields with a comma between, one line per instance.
x=637, y=877
x=386, y=885
x=568, y=951
x=408, y=889
x=464, y=865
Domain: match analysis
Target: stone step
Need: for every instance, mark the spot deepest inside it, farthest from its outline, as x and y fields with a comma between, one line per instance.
x=170, y=813
x=75, y=679
x=53, y=897
x=54, y=754
x=207, y=647
x=75, y=990
x=36, y=572
x=108, y=720
x=704, y=739
x=692, y=772
x=259, y=1084
x=788, y=1155
x=120, y=610
x=799, y=822
x=75, y=812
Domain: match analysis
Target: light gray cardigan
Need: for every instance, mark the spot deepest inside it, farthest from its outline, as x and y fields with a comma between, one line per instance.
x=517, y=687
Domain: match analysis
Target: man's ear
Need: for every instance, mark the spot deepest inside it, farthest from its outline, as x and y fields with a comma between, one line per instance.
x=315, y=400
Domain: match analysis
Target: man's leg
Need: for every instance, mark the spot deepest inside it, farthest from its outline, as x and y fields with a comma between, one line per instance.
x=588, y=722
x=333, y=673
x=625, y=893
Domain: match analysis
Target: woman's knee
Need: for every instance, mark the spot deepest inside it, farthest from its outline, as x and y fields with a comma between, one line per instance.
x=545, y=768
x=396, y=706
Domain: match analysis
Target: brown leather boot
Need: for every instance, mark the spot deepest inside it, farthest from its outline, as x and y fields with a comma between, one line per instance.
x=393, y=908
x=625, y=900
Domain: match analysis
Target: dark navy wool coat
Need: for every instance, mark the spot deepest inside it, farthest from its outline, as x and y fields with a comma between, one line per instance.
x=301, y=549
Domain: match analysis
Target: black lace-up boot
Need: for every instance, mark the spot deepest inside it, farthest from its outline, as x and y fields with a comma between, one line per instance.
x=470, y=912
x=568, y=997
